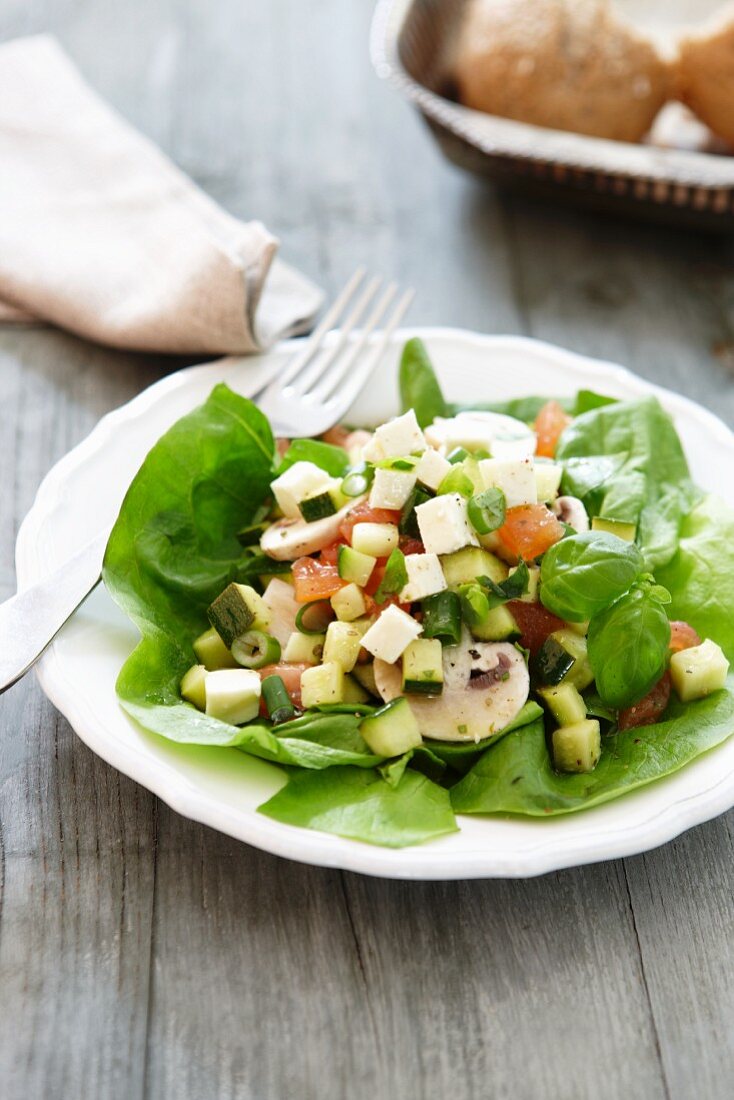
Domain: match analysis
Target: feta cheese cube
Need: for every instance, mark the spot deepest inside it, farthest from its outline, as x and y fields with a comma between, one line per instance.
x=401, y=436
x=425, y=577
x=372, y=450
x=432, y=468
x=515, y=478
x=444, y=524
x=301, y=480
x=547, y=480
x=391, y=488
x=393, y=632
x=503, y=436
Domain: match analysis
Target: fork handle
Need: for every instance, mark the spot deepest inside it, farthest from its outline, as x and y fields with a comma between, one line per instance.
x=30, y=620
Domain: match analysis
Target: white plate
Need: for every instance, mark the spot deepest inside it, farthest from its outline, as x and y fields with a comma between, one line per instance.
x=222, y=787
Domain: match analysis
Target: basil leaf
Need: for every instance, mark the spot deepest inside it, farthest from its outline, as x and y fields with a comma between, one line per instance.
x=583, y=574
x=395, y=579
x=474, y=604
x=334, y=460
x=512, y=588
x=628, y=646
x=419, y=388
x=487, y=510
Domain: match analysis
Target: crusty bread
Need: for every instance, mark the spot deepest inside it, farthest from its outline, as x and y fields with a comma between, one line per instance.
x=567, y=64
x=704, y=73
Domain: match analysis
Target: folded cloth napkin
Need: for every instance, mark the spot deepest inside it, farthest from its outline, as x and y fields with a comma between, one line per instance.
x=101, y=234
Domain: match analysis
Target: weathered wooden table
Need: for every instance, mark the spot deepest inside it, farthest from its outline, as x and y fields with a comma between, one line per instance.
x=144, y=955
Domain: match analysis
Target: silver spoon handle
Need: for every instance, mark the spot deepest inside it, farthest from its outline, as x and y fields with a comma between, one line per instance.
x=30, y=620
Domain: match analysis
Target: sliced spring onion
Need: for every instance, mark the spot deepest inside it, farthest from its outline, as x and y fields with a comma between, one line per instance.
x=395, y=578
x=457, y=455
x=487, y=510
x=457, y=481
x=442, y=617
x=408, y=520
x=405, y=462
x=358, y=480
x=277, y=700
x=314, y=617
x=255, y=649
x=474, y=604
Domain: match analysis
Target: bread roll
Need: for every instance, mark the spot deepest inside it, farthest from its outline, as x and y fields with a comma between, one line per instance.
x=704, y=74
x=567, y=64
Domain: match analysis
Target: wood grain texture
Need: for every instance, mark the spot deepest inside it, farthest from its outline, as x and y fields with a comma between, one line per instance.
x=142, y=955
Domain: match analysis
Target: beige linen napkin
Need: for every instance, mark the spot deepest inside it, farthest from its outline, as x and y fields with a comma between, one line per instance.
x=101, y=234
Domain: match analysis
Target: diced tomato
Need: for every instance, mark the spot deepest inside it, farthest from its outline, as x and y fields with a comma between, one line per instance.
x=682, y=636
x=330, y=554
x=337, y=436
x=535, y=623
x=649, y=708
x=411, y=546
x=291, y=677
x=549, y=423
x=530, y=530
x=363, y=513
x=376, y=577
x=314, y=581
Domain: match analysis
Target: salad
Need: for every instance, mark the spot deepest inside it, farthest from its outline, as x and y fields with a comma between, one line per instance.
x=521, y=608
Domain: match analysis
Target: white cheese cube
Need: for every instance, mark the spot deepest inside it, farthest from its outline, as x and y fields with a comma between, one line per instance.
x=391, y=488
x=301, y=480
x=444, y=524
x=547, y=480
x=391, y=634
x=401, y=436
x=503, y=436
x=425, y=577
x=432, y=468
x=515, y=478
x=233, y=695
x=372, y=450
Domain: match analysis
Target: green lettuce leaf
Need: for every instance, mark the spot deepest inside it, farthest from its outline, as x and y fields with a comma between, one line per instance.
x=517, y=776
x=361, y=805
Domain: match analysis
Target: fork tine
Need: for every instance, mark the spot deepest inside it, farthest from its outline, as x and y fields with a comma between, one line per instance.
x=341, y=368
x=307, y=379
x=342, y=400
x=326, y=323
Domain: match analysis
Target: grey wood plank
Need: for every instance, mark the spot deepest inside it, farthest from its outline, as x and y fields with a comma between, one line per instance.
x=508, y=989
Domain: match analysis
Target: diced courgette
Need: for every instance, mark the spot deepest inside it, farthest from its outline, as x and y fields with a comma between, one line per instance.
x=392, y=730
x=212, y=652
x=698, y=671
x=423, y=667
x=193, y=687
x=354, y=566
x=354, y=692
x=499, y=626
x=577, y=748
x=307, y=649
x=349, y=603
x=563, y=657
x=236, y=610
x=622, y=530
x=342, y=645
x=464, y=566
x=532, y=594
x=325, y=502
x=376, y=539
x=322, y=684
x=565, y=703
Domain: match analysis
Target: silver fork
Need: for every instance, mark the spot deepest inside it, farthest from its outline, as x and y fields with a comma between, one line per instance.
x=311, y=396
x=324, y=379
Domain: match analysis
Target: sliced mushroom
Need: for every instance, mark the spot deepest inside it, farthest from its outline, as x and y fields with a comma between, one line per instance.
x=485, y=685
x=288, y=539
x=570, y=510
x=280, y=600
